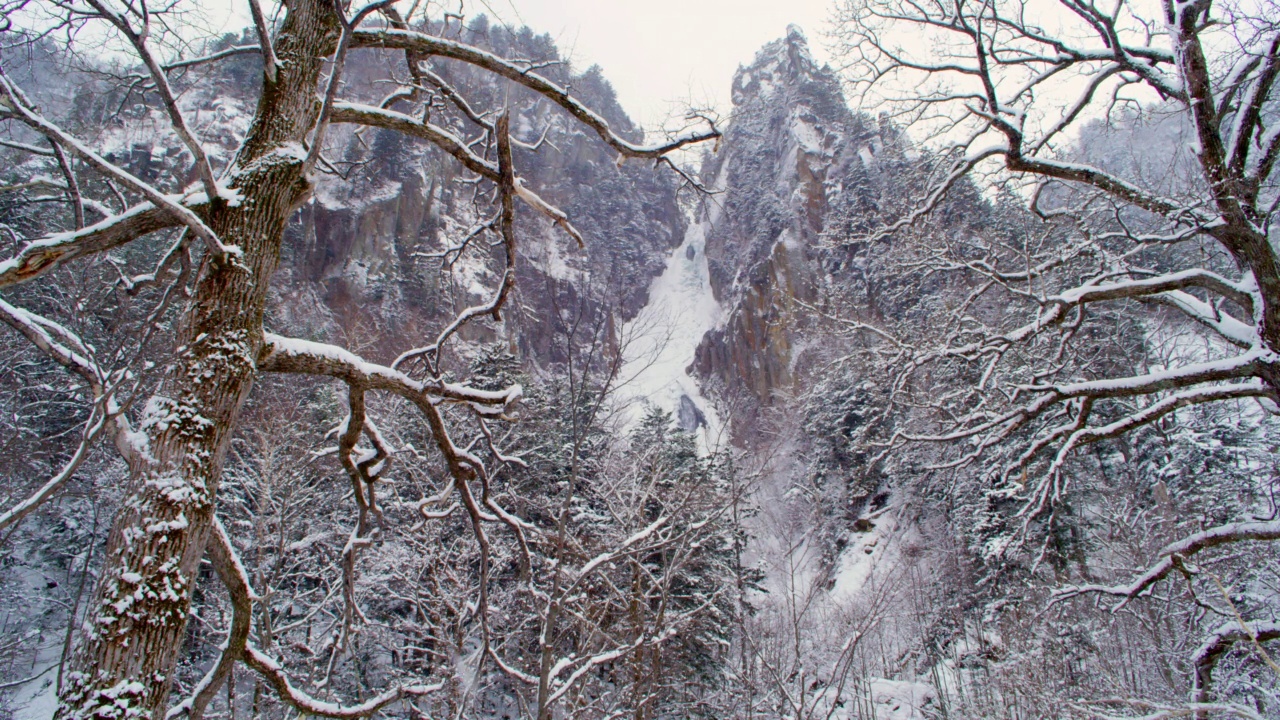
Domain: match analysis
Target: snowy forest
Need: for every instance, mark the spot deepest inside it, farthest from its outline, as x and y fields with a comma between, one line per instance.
x=371, y=361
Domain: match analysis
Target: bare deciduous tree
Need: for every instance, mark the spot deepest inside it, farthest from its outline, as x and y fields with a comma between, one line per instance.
x=229, y=226
x=1011, y=89
x=1138, y=278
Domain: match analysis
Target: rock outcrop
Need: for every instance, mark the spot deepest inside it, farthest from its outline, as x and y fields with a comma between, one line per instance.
x=367, y=249
x=792, y=156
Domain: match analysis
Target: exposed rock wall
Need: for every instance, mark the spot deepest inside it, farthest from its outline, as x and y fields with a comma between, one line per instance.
x=364, y=266
x=793, y=152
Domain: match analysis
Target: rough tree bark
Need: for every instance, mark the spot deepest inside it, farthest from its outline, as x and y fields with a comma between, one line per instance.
x=124, y=666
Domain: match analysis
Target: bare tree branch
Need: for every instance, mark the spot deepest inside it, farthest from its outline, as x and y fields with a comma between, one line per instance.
x=429, y=46
x=1173, y=555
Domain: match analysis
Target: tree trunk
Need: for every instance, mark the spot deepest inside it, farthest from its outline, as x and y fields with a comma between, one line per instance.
x=124, y=665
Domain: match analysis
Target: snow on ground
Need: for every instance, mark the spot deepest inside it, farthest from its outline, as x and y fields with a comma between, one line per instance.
x=662, y=339
x=37, y=699
x=872, y=554
x=901, y=700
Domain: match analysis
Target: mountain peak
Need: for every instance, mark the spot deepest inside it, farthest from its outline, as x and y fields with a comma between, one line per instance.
x=779, y=64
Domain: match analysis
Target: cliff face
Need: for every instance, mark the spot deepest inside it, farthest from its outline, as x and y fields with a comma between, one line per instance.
x=368, y=249
x=793, y=156
x=363, y=261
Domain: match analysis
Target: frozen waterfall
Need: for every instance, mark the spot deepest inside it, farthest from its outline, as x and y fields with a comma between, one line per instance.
x=662, y=339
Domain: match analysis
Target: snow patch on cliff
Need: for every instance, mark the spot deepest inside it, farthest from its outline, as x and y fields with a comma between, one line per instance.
x=549, y=258
x=806, y=134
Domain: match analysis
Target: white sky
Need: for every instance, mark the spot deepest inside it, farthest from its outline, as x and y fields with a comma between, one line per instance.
x=663, y=55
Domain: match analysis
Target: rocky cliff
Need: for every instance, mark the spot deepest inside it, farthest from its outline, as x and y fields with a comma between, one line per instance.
x=363, y=263
x=368, y=252
x=794, y=161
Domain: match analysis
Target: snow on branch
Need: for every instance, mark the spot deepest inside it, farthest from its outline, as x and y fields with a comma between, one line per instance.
x=160, y=83
x=1079, y=433
x=1104, y=181
x=1172, y=557
x=354, y=113
x=587, y=663
x=289, y=355
x=99, y=420
x=357, y=114
x=1237, y=292
x=1164, y=406
x=508, y=189
x=238, y=648
x=288, y=693
x=1226, y=326
x=14, y=101
x=1055, y=308
x=270, y=62
x=68, y=350
x=232, y=51
x=430, y=46
x=1005, y=424
x=1240, y=366
x=1219, y=642
x=226, y=563
x=41, y=256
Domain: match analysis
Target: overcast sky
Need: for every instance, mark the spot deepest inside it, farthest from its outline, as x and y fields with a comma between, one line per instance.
x=661, y=54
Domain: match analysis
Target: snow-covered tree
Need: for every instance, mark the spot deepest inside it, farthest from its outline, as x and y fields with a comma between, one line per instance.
x=170, y=392
x=1122, y=291
x=1004, y=89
